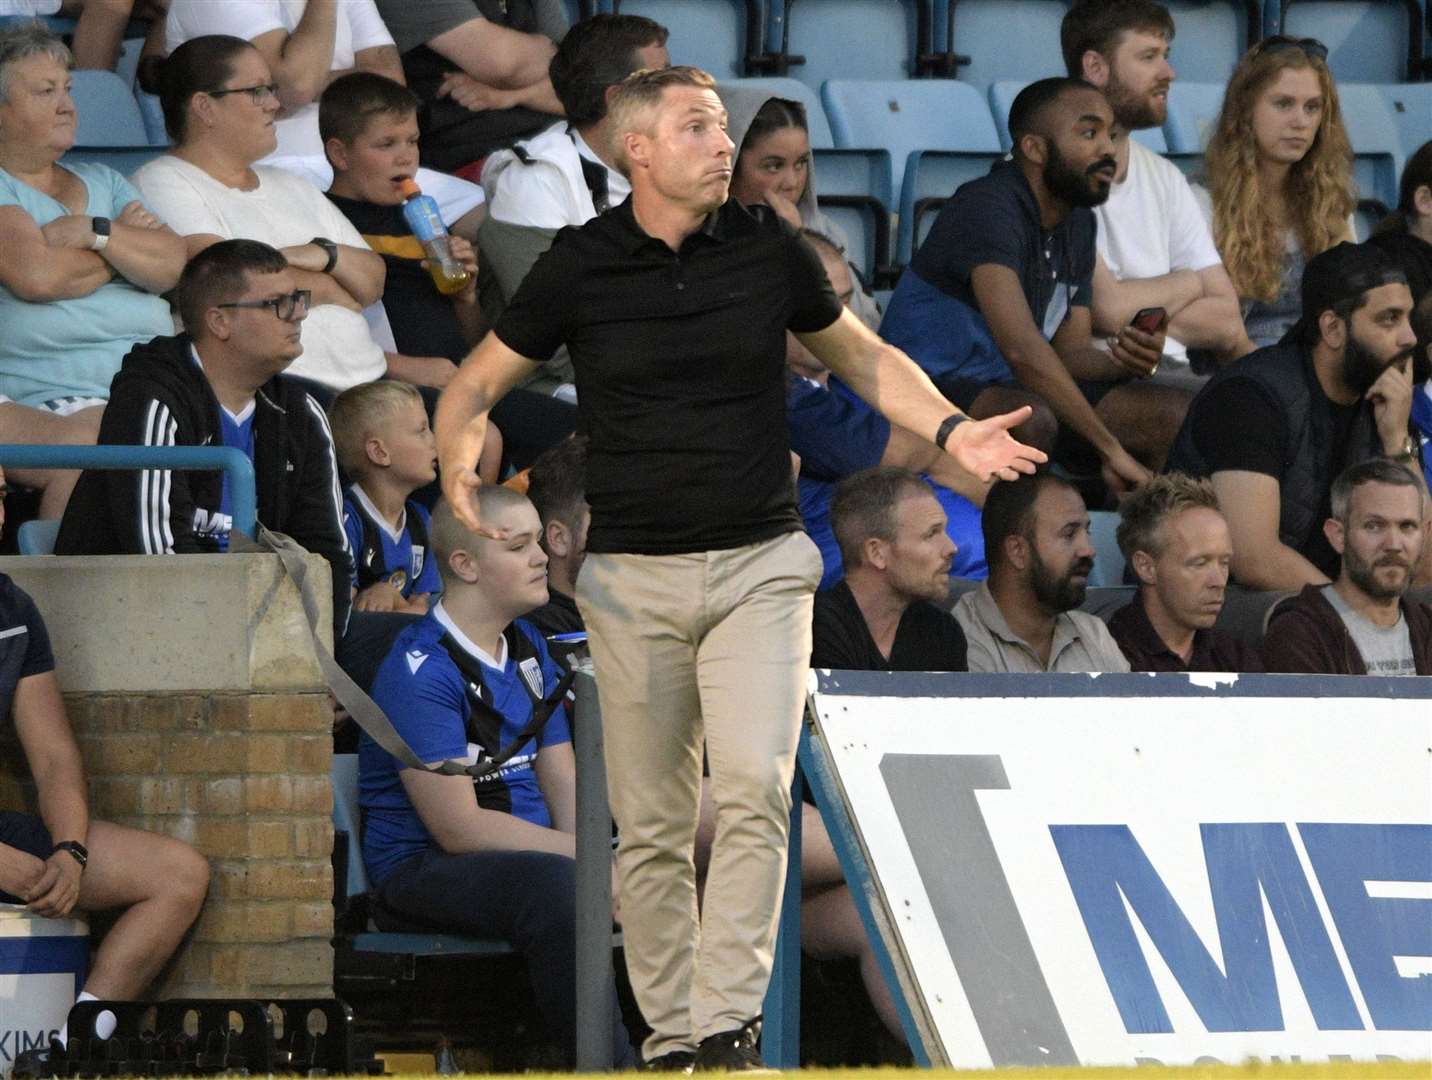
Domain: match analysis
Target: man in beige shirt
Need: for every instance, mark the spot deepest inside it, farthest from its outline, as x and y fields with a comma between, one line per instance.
x=1036, y=533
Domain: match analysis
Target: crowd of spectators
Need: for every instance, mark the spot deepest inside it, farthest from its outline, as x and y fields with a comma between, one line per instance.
x=1218, y=361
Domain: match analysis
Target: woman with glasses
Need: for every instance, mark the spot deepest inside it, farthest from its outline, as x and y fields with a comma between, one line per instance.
x=81, y=262
x=220, y=106
x=1279, y=173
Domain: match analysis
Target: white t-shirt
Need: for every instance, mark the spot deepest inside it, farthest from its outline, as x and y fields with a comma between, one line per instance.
x=284, y=210
x=1151, y=225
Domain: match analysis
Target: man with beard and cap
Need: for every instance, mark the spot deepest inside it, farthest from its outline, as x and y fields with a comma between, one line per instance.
x=1036, y=533
x=1155, y=248
x=995, y=303
x=1273, y=430
x=1362, y=624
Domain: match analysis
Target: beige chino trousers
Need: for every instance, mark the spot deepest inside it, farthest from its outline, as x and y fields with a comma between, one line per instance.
x=709, y=647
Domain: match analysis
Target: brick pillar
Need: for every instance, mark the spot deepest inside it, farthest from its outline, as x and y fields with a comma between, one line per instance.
x=214, y=727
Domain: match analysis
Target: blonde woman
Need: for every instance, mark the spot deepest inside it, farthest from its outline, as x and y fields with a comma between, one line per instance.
x=1279, y=172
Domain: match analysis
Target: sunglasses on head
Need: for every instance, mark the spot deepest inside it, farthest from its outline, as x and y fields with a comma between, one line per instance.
x=1311, y=47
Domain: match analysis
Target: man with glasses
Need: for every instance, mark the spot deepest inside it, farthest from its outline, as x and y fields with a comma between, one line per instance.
x=217, y=385
x=1154, y=248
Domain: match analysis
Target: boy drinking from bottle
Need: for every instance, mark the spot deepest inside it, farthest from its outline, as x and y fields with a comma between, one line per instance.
x=369, y=126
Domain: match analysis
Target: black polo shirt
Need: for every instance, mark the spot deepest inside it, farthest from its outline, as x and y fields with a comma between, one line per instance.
x=1213, y=650
x=24, y=644
x=680, y=367
x=927, y=639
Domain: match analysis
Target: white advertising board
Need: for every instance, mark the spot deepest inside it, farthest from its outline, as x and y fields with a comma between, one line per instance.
x=1121, y=869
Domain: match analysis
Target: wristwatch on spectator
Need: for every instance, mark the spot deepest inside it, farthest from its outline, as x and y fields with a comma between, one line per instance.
x=951, y=422
x=100, y=227
x=1411, y=450
x=75, y=848
x=331, y=248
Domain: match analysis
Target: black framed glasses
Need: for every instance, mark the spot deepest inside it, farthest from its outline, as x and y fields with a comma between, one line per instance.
x=258, y=94
x=285, y=307
x=1312, y=48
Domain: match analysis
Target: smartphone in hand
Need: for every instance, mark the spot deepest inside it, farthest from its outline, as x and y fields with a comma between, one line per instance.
x=1149, y=320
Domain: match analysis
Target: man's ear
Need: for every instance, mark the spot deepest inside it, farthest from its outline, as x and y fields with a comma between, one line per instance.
x=557, y=539
x=337, y=151
x=1143, y=564
x=1336, y=534
x=877, y=553
x=1034, y=147
x=637, y=145
x=377, y=451
x=1333, y=328
x=217, y=323
x=464, y=564
x=1095, y=68
x=1016, y=551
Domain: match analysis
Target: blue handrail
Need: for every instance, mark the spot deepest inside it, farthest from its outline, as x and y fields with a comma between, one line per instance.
x=225, y=459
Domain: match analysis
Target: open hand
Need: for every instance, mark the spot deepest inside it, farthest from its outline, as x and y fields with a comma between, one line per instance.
x=987, y=450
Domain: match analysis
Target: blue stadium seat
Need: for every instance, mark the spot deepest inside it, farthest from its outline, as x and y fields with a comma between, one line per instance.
x=717, y=36
x=1210, y=35
x=1410, y=107
x=1193, y=109
x=38, y=537
x=110, y=127
x=1368, y=40
x=817, y=40
x=1001, y=39
x=1368, y=117
x=939, y=133
x=1108, y=559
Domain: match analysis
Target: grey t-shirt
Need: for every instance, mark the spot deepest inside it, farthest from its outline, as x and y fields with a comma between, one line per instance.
x=1384, y=651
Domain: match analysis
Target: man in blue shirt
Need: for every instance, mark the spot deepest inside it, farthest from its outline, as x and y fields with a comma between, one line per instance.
x=995, y=305
x=493, y=856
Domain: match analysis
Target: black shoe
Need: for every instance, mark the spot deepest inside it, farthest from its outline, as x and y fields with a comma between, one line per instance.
x=675, y=1061
x=733, y=1051
x=36, y=1062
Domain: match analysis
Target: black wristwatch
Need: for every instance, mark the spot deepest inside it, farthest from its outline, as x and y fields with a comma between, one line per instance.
x=100, y=227
x=331, y=248
x=952, y=421
x=75, y=848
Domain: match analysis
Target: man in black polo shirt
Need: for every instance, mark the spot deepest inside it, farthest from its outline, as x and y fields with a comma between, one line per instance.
x=62, y=860
x=697, y=586
x=882, y=615
x=1274, y=429
x=1174, y=536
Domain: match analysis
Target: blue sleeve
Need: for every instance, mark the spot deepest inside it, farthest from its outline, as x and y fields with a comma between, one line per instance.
x=980, y=225
x=353, y=529
x=121, y=191
x=556, y=730
x=834, y=434
x=428, y=581
x=421, y=692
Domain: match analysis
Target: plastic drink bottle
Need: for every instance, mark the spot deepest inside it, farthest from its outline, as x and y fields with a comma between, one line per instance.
x=421, y=213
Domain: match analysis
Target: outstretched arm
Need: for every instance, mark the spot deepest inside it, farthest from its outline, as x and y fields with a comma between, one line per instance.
x=890, y=381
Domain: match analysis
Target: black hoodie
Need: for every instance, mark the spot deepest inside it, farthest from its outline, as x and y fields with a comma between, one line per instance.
x=161, y=398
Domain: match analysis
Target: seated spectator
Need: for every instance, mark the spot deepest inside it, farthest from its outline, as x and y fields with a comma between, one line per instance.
x=566, y=174
x=1280, y=178
x=1362, y=623
x=1406, y=233
x=1154, y=248
x=64, y=861
x=1174, y=536
x=217, y=384
x=219, y=108
x=558, y=489
x=1273, y=430
x=387, y=451
x=492, y=857
x=835, y=433
x=306, y=45
x=370, y=132
x=772, y=167
x=84, y=258
x=995, y=303
x=21, y=424
x=480, y=69
x=882, y=616
x=1023, y=618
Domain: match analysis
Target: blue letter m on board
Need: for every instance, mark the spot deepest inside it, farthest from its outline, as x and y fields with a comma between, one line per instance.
x=1105, y=866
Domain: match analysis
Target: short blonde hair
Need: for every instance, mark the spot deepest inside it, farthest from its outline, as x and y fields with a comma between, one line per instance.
x=360, y=412
x=1143, y=513
x=637, y=95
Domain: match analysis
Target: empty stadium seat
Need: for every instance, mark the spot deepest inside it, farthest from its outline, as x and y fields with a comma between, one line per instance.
x=939, y=133
x=1376, y=141
x=1002, y=39
x=1108, y=559
x=717, y=36
x=1210, y=35
x=1193, y=109
x=110, y=127
x=1410, y=108
x=1368, y=40
x=38, y=537
x=817, y=40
